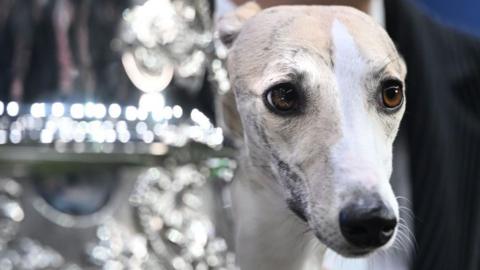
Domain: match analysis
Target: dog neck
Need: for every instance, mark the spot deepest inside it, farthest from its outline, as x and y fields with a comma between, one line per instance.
x=268, y=234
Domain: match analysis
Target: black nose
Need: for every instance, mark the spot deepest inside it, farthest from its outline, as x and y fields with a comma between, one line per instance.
x=367, y=224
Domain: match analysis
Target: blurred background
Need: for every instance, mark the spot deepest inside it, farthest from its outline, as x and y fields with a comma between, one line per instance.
x=462, y=14
x=110, y=154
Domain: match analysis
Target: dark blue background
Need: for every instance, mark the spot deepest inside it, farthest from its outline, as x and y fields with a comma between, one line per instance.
x=463, y=14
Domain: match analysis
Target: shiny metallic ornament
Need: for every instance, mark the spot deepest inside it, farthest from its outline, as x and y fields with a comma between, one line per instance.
x=176, y=221
x=179, y=205
x=27, y=254
x=76, y=199
x=149, y=128
x=166, y=39
x=117, y=247
x=182, y=225
x=11, y=213
x=21, y=253
x=219, y=75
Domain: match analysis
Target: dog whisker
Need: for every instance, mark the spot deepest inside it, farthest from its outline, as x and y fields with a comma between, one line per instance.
x=406, y=240
x=409, y=235
x=407, y=211
x=404, y=199
x=403, y=247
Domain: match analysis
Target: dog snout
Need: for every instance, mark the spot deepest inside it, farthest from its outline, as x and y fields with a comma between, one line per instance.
x=367, y=223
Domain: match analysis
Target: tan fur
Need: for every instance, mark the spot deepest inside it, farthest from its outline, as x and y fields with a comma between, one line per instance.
x=268, y=47
x=303, y=26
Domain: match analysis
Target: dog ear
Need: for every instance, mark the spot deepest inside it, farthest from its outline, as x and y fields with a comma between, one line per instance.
x=230, y=24
x=228, y=27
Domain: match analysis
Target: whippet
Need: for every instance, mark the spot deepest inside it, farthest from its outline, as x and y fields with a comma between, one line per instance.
x=319, y=93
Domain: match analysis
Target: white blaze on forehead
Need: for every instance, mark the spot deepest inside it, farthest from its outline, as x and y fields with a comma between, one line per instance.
x=345, y=50
x=360, y=152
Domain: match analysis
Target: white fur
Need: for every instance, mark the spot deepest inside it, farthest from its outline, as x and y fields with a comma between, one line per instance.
x=338, y=147
x=269, y=237
x=359, y=158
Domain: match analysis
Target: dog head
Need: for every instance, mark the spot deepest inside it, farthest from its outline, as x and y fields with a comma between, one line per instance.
x=320, y=94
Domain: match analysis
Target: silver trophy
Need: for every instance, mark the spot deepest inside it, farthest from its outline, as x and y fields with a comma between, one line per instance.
x=90, y=181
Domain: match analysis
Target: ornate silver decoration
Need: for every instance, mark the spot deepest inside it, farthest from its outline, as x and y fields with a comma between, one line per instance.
x=96, y=127
x=27, y=254
x=176, y=213
x=117, y=247
x=219, y=75
x=178, y=216
x=166, y=39
x=11, y=213
x=21, y=253
x=171, y=213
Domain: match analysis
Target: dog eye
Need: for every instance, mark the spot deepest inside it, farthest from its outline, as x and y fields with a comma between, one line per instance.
x=282, y=98
x=392, y=94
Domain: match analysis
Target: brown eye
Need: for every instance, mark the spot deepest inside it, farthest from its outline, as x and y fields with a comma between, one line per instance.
x=282, y=98
x=392, y=94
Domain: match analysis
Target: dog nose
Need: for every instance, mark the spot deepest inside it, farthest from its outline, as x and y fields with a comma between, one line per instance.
x=367, y=224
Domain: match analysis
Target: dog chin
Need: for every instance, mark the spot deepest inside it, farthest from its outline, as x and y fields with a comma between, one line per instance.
x=356, y=253
x=347, y=250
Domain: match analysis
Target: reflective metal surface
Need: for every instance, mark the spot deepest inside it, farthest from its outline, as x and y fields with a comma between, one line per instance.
x=162, y=217
x=98, y=183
